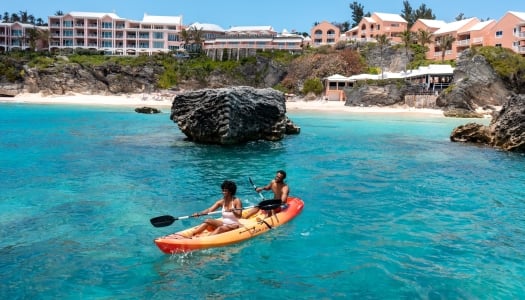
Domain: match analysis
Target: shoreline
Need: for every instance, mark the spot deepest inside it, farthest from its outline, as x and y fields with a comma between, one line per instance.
x=165, y=101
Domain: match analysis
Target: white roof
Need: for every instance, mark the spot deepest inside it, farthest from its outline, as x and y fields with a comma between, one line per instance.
x=433, y=23
x=369, y=20
x=453, y=26
x=520, y=15
x=93, y=14
x=206, y=27
x=162, y=19
x=433, y=69
x=390, y=17
x=479, y=26
x=337, y=77
x=250, y=28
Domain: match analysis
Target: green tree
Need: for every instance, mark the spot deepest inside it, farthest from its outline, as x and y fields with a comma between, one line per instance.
x=445, y=43
x=382, y=42
x=423, y=37
x=460, y=17
x=313, y=85
x=408, y=13
x=407, y=37
x=357, y=13
x=5, y=18
x=424, y=13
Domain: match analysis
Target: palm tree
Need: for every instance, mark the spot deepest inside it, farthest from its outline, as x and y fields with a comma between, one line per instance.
x=423, y=37
x=407, y=37
x=445, y=43
x=382, y=42
x=24, y=16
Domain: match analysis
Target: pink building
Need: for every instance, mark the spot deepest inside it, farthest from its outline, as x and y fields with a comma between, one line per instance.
x=242, y=41
x=325, y=33
x=509, y=32
x=428, y=25
x=369, y=28
x=114, y=35
x=13, y=36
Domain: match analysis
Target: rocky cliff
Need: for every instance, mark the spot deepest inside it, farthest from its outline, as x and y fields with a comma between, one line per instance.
x=476, y=85
x=506, y=130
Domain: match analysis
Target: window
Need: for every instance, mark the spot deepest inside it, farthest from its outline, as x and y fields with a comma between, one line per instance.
x=107, y=34
x=107, y=44
x=499, y=33
x=158, y=45
x=173, y=37
x=107, y=25
x=158, y=35
x=68, y=23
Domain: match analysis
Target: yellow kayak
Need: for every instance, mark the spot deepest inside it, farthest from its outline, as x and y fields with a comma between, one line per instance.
x=254, y=226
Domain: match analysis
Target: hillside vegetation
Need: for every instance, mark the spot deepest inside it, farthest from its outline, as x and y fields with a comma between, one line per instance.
x=278, y=69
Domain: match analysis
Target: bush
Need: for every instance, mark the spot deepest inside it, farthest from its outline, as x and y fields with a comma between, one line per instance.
x=313, y=85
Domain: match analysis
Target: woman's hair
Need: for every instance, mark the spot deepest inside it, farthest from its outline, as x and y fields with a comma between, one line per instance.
x=230, y=186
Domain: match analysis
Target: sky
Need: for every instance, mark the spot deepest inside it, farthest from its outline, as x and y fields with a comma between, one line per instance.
x=298, y=15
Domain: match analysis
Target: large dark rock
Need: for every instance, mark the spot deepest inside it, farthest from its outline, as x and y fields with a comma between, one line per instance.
x=232, y=115
x=475, y=85
x=506, y=130
x=147, y=110
x=369, y=95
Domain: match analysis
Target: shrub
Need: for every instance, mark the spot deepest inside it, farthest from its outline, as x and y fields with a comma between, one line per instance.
x=313, y=85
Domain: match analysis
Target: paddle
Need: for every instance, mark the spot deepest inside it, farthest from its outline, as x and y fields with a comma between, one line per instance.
x=167, y=220
x=255, y=188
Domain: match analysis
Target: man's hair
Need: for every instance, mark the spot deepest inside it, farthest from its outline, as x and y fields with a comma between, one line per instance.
x=283, y=173
x=230, y=186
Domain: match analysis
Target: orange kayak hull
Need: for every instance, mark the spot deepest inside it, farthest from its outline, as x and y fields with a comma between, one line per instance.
x=249, y=228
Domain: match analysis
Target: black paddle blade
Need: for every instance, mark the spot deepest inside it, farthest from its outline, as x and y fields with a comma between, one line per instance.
x=162, y=221
x=270, y=204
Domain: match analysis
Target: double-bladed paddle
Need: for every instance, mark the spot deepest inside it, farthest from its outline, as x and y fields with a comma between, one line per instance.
x=255, y=188
x=167, y=220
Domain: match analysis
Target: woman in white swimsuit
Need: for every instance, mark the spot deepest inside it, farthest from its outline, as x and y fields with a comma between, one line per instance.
x=231, y=211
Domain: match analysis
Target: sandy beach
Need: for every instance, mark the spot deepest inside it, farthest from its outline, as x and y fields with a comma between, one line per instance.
x=164, y=102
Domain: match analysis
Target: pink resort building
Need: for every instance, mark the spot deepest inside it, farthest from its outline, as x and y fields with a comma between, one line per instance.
x=13, y=37
x=325, y=33
x=242, y=41
x=114, y=35
x=369, y=28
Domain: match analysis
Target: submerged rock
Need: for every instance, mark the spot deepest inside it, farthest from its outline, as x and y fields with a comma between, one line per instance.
x=232, y=115
x=147, y=110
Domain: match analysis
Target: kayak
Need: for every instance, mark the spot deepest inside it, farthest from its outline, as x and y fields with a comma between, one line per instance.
x=257, y=224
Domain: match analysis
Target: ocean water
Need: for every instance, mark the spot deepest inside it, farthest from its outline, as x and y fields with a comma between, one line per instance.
x=393, y=209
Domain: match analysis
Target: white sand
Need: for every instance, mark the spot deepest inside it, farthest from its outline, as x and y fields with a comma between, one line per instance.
x=164, y=101
x=134, y=100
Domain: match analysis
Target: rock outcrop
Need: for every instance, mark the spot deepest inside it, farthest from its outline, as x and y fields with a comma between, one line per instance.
x=232, y=115
x=383, y=95
x=109, y=78
x=476, y=85
x=506, y=130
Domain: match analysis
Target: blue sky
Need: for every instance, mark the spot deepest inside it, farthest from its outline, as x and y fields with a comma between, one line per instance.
x=297, y=15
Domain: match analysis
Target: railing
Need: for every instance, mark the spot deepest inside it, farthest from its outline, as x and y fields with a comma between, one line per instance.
x=463, y=42
x=477, y=41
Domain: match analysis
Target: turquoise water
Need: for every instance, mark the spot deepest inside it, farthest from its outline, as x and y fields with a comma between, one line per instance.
x=393, y=209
